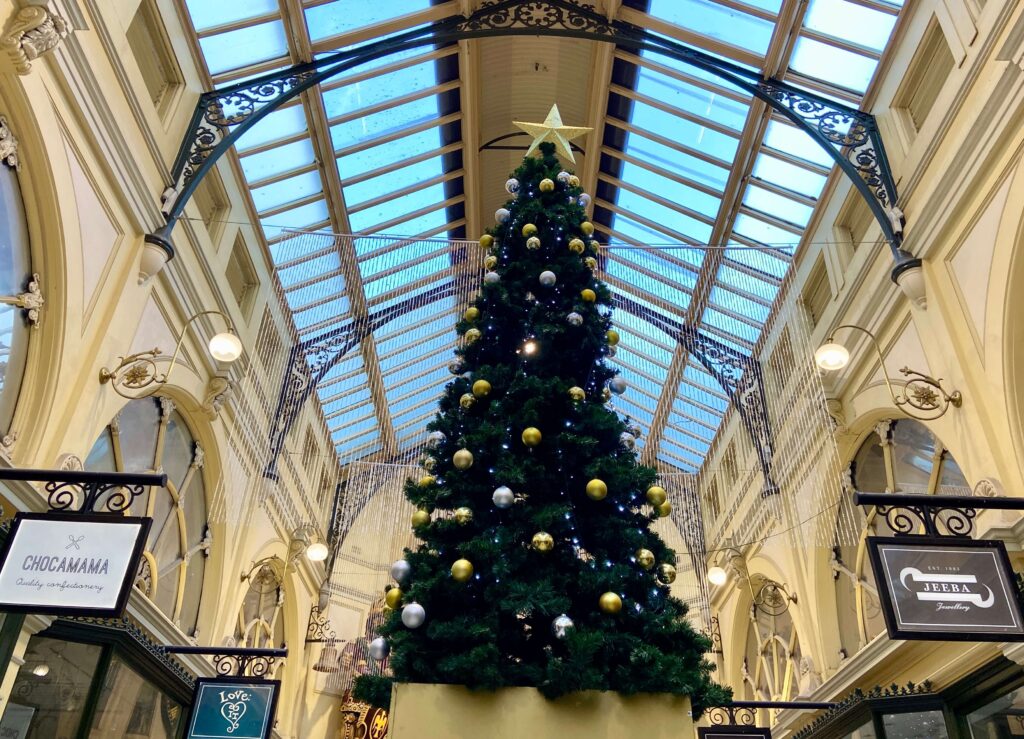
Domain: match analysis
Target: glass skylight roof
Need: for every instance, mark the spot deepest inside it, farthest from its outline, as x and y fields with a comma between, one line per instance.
x=687, y=161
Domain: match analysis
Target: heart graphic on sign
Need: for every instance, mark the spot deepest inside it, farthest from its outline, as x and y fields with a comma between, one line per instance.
x=232, y=713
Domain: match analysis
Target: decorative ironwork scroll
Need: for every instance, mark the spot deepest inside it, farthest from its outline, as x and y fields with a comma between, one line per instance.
x=72, y=491
x=732, y=716
x=934, y=515
x=319, y=627
x=236, y=661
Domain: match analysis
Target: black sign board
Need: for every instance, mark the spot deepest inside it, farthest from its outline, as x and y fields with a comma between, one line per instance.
x=733, y=732
x=71, y=564
x=232, y=708
x=946, y=589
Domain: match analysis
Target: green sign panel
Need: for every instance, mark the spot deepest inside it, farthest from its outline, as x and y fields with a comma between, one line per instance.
x=228, y=708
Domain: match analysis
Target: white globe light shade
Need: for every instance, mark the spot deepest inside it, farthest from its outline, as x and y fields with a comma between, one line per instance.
x=317, y=552
x=717, y=576
x=832, y=356
x=41, y=670
x=225, y=347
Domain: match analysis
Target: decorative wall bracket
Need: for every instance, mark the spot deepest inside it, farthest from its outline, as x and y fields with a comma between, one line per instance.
x=934, y=515
x=744, y=713
x=236, y=661
x=32, y=31
x=69, y=491
x=319, y=627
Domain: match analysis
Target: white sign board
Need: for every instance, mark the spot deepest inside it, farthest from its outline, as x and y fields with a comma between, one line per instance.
x=70, y=564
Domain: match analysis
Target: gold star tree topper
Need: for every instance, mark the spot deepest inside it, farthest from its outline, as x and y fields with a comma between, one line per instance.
x=552, y=130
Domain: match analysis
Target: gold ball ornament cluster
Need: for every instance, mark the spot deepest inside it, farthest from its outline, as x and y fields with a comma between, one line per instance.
x=529, y=230
x=613, y=337
x=606, y=395
x=595, y=246
x=547, y=185
x=467, y=401
x=588, y=295
x=597, y=489
x=393, y=598
x=663, y=510
x=473, y=336
x=533, y=243
x=666, y=573
x=610, y=603
x=576, y=246
x=472, y=313
x=427, y=480
x=587, y=228
x=591, y=263
x=543, y=541
x=420, y=518
x=645, y=558
x=481, y=388
x=429, y=463
x=578, y=394
x=462, y=570
x=656, y=495
x=490, y=262
x=462, y=459
x=486, y=241
x=574, y=181
x=531, y=436
x=463, y=515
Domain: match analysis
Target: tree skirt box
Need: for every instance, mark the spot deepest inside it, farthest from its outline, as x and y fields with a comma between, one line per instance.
x=421, y=711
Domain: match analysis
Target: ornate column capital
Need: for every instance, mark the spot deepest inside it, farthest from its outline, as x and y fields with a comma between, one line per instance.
x=31, y=32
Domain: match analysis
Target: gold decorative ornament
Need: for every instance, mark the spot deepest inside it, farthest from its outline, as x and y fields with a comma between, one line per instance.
x=486, y=241
x=552, y=130
x=490, y=262
x=610, y=603
x=606, y=395
x=656, y=495
x=596, y=489
x=462, y=570
x=427, y=480
x=547, y=185
x=481, y=388
x=393, y=598
x=663, y=510
x=612, y=336
x=533, y=243
x=577, y=393
x=473, y=336
x=587, y=228
x=666, y=573
x=588, y=295
x=543, y=541
x=420, y=518
x=595, y=246
x=576, y=246
x=591, y=263
x=429, y=463
x=531, y=436
x=463, y=459
x=645, y=558
x=529, y=230
x=467, y=401
x=574, y=181
x=472, y=313
x=463, y=515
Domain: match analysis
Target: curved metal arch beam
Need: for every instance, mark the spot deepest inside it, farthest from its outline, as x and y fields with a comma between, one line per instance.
x=849, y=136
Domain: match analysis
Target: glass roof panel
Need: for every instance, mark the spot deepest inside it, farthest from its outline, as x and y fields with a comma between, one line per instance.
x=344, y=100
x=304, y=216
x=698, y=231
x=838, y=66
x=717, y=21
x=395, y=207
x=710, y=141
x=776, y=205
x=791, y=140
x=671, y=190
x=286, y=191
x=790, y=176
x=272, y=162
x=385, y=122
x=398, y=179
x=676, y=161
x=340, y=16
x=860, y=24
x=244, y=47
x=275, y=126
x=206, y=14
x=690, y=98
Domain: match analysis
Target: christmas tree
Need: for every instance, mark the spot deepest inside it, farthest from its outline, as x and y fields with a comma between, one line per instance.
x=538, y=566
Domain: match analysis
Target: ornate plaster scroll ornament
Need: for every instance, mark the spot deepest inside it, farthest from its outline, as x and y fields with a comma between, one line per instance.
x=8, y=146
x=70, y=462
x=32, y=31
x=7, y=442
x=218, y=392
x=31, y=300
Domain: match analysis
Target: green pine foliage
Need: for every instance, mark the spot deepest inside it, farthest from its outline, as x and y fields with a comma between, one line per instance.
x=496, y=629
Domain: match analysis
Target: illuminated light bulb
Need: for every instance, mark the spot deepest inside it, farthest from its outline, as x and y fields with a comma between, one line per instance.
x=41, y=670
x=317, y=552
x=225, y=347
x=530, y=347
x=717, y=576
x=832, y=356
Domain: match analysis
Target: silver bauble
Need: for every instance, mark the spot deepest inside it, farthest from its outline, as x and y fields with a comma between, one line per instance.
x=436, y=437
x=400, y=570
x=548, y=278
x=584, y=200
x=617, y=385
x=563, y=176
x=611, y=351
x=635, y=430
x=413, y=615
x=492, y=278
x=627, y=440
x=501, y=215
x=455, y=367
x=561, y=626
x=574, y=319
x=379, y=649
x=572, y=200
x=503, y=497
x=512, y=186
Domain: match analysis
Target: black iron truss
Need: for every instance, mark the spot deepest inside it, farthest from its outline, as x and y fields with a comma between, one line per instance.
x=849, y=136
x=76, y=491
x=253, y=663
x=934, y=515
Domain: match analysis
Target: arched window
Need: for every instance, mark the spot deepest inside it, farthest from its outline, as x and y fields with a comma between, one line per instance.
x=771, y=662
x=15, y=276
x=260, y=619
x=149, y=435
x=900, y=456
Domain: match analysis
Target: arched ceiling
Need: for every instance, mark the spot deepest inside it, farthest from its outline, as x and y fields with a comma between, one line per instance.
x=420, y=144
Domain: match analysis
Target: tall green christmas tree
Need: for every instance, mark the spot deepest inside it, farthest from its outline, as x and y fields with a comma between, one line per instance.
x=538, y=566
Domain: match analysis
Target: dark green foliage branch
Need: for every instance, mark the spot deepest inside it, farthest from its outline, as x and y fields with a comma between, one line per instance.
x=495, y=630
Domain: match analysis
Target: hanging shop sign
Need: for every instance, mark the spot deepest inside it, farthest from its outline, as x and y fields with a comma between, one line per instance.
x=734, y=732
x=71, y=564
x=946, y=588
x=233, y=708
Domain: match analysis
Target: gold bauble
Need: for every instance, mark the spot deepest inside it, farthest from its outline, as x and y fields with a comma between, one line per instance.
x=666, y=573
x=473, y=336
x=576, y=246
x=574, y=181
x=610, y=603
x=588, y=295
x=591, y=263
x=481, y=388
x=606, y=395
x=645, y=558
x=427, y=480
x=533, y=243
x=490, y=262
x=393, y=598
x=596, y=489
x=587, y=228
x=429, y=463
x=486, y=241
x=472, y=313
x=543, y=541
x=656, y=495
x=612, y=336
x=577, y=393
x=664, y=509
x=547, y=185
x=386, y=609
x=531, y=436
x=467, y=401
x=595, y=246
x=420, y=518
x=463, y=515
x=529, y=230
x=463, y=459
x=462, y=570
